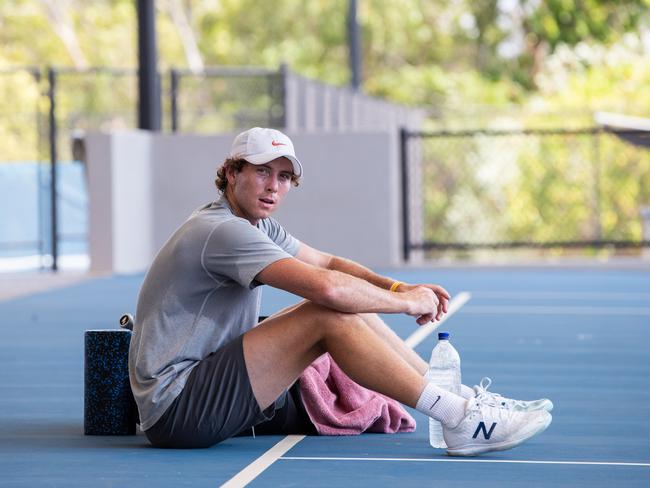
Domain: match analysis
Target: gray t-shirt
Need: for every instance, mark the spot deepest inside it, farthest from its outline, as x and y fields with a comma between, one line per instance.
x=199, y=294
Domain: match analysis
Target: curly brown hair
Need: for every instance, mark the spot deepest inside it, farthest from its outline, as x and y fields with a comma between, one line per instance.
x=221, y=181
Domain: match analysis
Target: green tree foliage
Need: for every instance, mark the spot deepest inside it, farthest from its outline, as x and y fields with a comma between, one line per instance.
x=420, y=52
x=593, y=77
x=549, y=188
x=309, y=35
x=573, y=21
x=471, y=63
x=512, y=38
x=20, y=119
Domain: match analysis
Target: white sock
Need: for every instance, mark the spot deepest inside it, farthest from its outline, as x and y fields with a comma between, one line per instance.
x=442, y=405
x=466, y=392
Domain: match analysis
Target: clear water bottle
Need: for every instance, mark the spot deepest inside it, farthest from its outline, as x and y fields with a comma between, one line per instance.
x=444, y=371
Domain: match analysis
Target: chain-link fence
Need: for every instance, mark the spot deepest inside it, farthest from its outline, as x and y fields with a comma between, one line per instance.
x=558, y=189
x=80, y=101
x=44, y=114
x=466, y=190
x=226, y=99
x=23, y=164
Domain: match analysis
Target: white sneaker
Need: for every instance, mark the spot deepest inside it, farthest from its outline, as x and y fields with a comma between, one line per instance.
x=509, y=403
x=488, y=428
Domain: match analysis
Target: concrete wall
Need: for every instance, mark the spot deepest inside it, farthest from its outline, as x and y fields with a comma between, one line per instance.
x=143, y=185
x=183, y=178
x=348, y=203
x=120, y=203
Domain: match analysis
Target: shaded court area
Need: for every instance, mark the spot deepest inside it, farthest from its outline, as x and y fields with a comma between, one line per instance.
x=578, y=336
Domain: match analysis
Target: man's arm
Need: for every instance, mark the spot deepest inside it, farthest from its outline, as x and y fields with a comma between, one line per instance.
x=320, y=259
x=345, y=292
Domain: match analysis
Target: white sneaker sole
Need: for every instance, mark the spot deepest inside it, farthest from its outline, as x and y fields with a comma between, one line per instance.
x=475, y=449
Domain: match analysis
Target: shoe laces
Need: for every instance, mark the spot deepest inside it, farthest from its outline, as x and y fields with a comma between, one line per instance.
x=484, y=406
x=494, y=399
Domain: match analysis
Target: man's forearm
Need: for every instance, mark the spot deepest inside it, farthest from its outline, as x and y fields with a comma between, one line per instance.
x=355, y=269
x=345, y=291
x=354, y=294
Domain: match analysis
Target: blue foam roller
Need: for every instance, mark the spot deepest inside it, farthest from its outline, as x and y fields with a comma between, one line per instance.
x=109, y=407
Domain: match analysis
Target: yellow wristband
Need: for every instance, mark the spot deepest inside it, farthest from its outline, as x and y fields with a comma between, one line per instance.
x=395, y=286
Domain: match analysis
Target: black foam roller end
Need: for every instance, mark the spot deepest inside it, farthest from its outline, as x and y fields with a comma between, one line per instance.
x=109, y=407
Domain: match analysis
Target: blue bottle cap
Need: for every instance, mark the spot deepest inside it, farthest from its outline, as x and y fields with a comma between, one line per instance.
x=443, y=336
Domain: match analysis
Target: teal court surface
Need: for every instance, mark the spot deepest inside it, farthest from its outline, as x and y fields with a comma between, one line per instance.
x=578, y=336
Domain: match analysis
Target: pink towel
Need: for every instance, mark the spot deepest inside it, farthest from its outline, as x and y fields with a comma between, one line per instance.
x=338, y=406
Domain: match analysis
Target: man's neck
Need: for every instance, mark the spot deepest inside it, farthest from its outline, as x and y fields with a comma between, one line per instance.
x=234, y=206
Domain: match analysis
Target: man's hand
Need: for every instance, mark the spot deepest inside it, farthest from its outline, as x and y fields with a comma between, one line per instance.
x=423, y=303
x=442, y=301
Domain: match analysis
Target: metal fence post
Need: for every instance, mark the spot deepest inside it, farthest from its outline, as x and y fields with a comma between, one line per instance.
x=51, y=76
x=173, y=93
x=598, y=225
x=36, y=73
x=644, y=212
x=149, y=115
x=354, y=45
x=275, y=90
x=282, y=94
x=406, y=230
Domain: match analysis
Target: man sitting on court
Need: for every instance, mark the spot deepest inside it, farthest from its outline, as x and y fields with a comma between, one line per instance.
x=203, y=371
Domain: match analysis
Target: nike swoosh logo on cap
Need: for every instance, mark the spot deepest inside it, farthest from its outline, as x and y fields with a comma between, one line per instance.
x=276, y=143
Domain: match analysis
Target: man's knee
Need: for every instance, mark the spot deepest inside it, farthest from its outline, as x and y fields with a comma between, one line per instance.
x=335, y=322
x=370, y=317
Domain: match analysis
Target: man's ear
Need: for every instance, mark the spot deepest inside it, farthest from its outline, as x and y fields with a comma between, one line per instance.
x=231, y=174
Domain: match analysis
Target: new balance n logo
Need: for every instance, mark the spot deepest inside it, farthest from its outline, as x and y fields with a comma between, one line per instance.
x=481, y=428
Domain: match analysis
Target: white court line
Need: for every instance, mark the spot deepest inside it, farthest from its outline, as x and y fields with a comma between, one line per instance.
x=423, y=332
x=252, y=471
x=456, y=460
x=554, y=310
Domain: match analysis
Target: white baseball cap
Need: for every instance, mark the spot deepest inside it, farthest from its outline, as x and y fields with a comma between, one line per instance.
x=259, y=146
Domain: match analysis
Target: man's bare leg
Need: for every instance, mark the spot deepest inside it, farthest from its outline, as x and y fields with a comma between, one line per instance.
x=279, y=349
x=385, y=332
x=290, y=308
x=375, y=322
x=394, y=341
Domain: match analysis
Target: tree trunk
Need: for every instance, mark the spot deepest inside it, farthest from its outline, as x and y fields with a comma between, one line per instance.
x=62, y=26
x=186, y=33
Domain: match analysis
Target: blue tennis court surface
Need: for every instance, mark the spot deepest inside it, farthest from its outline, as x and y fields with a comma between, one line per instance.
x=578, y=336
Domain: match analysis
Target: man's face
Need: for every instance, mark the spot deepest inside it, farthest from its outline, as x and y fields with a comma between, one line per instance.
x=257, y=190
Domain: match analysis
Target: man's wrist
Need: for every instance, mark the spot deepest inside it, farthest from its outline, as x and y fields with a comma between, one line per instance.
x=395, y=286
